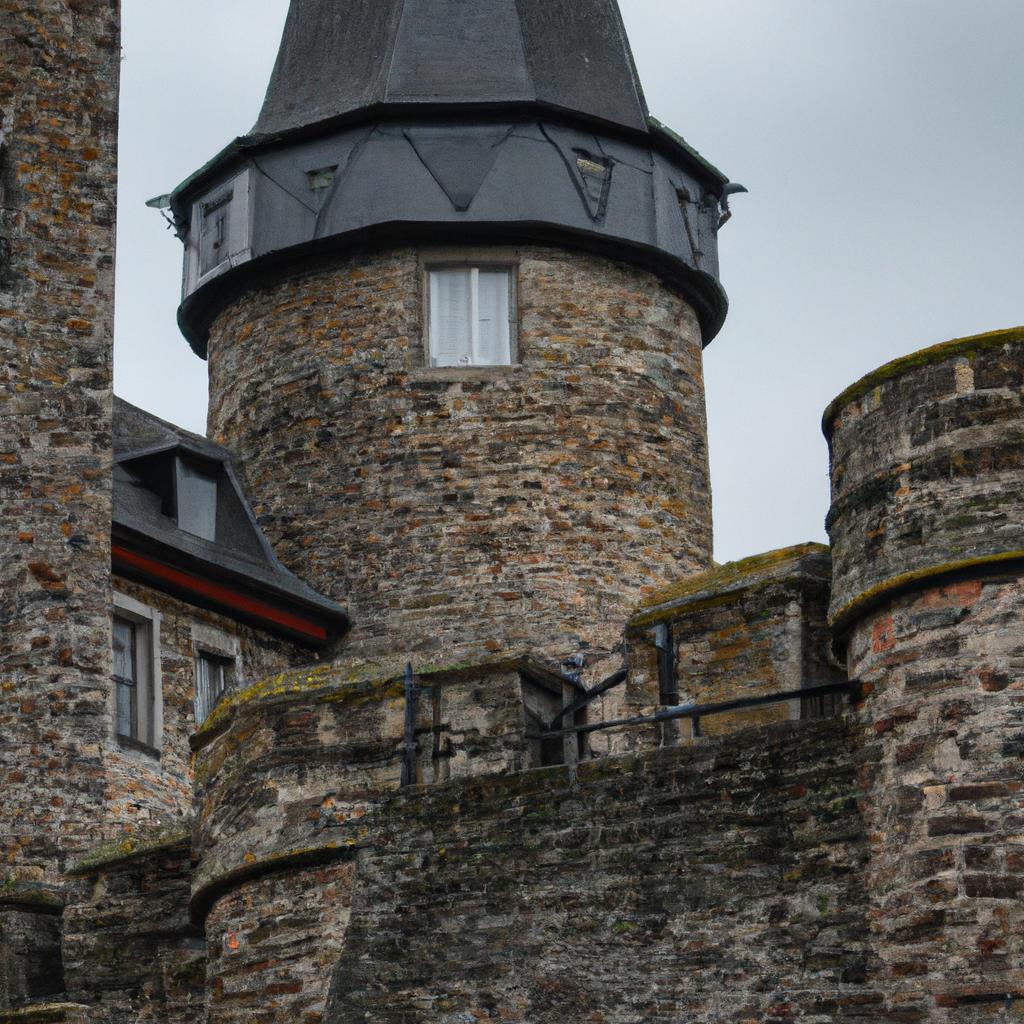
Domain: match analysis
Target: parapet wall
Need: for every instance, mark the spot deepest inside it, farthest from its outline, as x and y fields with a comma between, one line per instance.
x=720, y=882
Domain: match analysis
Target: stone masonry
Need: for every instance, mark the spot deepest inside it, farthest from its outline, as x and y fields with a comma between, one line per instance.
x=458, y=508
x=927, y=535
x=59, y=65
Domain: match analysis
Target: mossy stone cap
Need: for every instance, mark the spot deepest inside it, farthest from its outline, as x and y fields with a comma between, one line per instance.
x=926, y=464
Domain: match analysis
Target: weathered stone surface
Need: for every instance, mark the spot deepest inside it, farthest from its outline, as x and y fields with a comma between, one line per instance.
x=746, y=629
x=131, y=953
x=713, y=883
x=30, y=964
x=926, y=467
x=526, y=506
x=150, y=790
x=59, y=64
x=273, y=944
x=295, y=768
x=944, y=795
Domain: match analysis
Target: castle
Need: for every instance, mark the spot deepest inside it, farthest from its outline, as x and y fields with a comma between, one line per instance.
x=412, y=692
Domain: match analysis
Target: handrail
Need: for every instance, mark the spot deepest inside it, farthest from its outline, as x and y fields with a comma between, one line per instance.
x=616, y=679
x=695, y=712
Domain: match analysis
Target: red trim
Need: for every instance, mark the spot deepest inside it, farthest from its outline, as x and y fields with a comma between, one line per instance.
x=224, y=595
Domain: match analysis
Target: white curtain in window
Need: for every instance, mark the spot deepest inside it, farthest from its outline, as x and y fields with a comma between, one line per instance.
x=493, y=347
x=451, y=336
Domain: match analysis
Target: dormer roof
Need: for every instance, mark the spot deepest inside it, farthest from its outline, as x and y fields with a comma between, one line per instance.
x=182, y=524
x=340, y=58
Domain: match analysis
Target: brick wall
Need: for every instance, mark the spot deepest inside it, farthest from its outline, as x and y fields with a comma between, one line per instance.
x=512, y=507
x=59, y=65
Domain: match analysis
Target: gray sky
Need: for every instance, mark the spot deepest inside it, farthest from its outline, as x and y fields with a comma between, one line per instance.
x=881, y=141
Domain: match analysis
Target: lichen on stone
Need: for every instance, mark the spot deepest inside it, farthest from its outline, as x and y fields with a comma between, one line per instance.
x=723, y=583
x=965, y=347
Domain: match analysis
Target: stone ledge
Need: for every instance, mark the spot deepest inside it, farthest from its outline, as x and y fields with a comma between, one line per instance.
x=727, y=582
x=32, y=897
x=353, y=682
x=50, y=1013
x=930, y=575
x=132, y=847
x=965, y=347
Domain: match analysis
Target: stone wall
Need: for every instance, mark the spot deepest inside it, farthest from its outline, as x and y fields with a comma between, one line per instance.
x=30, y=965
x=716, y=883
x=140, y=787
x=290, y=779
x=944, y=794
x=529, y=506
x=59, y=65
x=131, y=953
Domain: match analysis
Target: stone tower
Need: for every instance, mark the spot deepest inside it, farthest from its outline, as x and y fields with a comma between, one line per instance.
x=453, y=290
x=927, y=530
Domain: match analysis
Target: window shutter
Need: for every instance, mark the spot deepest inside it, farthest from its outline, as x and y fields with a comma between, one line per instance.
x=450, y=324
x=494, y=347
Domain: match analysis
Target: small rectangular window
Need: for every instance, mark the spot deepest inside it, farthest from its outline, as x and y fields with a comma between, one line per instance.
x=470, y=317
x=214, y=677
x=136, y=675
x=196, y=500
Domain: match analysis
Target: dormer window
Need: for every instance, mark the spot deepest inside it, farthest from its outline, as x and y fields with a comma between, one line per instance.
x=195, y=499
x=470, y=316
x=219, y=234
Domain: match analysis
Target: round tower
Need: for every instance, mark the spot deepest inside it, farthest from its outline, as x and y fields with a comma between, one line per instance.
x=453, y=290
x=927, y=527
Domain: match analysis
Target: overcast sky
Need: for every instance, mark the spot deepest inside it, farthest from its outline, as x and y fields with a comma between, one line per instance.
x=881, y=142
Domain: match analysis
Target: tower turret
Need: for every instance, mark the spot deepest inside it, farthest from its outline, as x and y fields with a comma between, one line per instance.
x=453, y=289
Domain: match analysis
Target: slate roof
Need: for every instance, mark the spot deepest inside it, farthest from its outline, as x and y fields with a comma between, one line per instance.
x=339, y=57
x=143, y=443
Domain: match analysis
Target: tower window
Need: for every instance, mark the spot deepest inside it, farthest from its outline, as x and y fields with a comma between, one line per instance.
x=136, y=675
x=470, y=317
x=215, y=674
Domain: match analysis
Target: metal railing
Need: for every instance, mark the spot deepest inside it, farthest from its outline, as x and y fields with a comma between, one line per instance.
x=693, y=712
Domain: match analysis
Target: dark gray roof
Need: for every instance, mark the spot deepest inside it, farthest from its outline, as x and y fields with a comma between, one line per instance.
x=144, y=448
x=339, y=57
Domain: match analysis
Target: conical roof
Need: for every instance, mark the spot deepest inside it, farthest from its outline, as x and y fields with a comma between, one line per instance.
x=341, y=57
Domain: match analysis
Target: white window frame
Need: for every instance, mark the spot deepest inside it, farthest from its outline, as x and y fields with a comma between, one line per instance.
x=214, y=643
x=149, y=684
x=474, y=268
